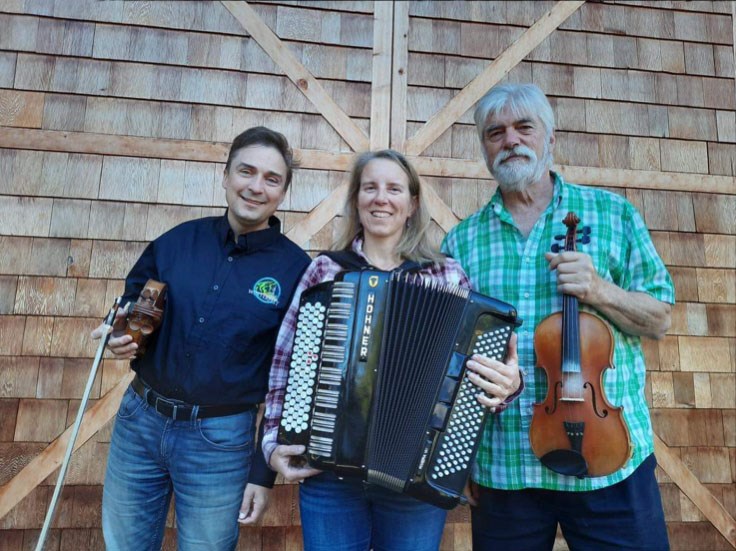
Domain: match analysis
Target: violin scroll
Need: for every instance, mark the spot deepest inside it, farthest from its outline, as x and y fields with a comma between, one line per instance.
x=145, y=317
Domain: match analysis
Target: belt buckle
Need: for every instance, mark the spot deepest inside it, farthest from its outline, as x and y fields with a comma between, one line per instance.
x=167, y=403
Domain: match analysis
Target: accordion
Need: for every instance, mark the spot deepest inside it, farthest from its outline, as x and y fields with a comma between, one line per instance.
x=377, y=386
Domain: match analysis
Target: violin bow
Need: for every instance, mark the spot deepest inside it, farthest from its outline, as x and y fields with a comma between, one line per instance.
x=109, y=320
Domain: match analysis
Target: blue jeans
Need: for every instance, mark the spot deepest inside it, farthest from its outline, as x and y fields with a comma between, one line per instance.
x=627, y=515
x=347, y=515
x=203, y=462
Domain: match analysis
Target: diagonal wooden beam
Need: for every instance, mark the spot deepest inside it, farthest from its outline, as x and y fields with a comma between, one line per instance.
x=381, y=89
x=438, y=209
x=50, y=458
x=713, y=510
x=465, y=99
x=299, y=75
x=319, y=216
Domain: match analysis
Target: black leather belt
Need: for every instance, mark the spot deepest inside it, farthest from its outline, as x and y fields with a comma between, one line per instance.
x=181, y=411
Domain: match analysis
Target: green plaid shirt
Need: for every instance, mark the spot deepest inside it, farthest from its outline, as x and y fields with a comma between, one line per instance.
x=503, y=264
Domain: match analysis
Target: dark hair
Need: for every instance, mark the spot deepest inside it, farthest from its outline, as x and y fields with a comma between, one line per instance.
x=414, y=244
x=260, y=135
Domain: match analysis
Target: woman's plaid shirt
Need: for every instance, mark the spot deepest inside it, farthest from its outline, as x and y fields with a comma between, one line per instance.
x=320, y=270
x=502, y=263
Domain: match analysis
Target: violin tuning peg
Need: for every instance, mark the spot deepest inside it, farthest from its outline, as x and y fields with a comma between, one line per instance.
x=559, y=237
x=585, y=230
x=555, y=248
x=584, y=240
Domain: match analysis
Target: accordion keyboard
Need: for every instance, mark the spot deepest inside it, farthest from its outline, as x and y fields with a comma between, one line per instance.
x=457, y=444
x=331, y=373
x=303, y=367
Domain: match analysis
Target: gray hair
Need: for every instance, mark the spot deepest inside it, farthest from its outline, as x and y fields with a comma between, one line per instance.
x=522, y=99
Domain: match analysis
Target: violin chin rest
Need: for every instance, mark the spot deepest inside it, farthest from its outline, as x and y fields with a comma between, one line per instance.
x=567, y=462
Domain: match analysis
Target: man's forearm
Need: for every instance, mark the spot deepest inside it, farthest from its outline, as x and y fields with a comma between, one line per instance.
x=635, y=313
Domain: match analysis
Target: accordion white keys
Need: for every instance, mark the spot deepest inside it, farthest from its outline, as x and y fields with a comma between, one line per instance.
x=377, y=387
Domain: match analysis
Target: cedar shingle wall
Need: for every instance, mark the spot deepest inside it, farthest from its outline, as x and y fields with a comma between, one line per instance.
x=635, y=85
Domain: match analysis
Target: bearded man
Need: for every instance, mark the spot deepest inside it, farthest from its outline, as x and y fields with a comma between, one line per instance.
x=517, y=501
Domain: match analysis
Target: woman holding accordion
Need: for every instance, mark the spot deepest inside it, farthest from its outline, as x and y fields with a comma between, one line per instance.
x=385, y=228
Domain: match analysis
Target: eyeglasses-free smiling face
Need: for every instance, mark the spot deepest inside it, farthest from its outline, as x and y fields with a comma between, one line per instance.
x=384, y=200
x=254, y=187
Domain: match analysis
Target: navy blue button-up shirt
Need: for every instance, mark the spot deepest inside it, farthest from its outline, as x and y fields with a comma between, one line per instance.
x=224, y=305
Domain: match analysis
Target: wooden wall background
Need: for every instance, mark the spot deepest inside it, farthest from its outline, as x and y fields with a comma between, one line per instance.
x=115, y=119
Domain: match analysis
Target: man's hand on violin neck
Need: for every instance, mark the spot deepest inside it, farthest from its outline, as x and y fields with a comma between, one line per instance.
x=577, y=276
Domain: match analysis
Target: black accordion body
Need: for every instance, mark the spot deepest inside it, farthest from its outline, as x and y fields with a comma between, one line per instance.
x=377, y=386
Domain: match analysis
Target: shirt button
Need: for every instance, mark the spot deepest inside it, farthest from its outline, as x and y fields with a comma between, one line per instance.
x=229, y=258
x=215, y=287
x=526, y=295
x=188, y=355
x=201, y=320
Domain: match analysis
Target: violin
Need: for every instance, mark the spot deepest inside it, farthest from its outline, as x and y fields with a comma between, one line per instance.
x=576, y=431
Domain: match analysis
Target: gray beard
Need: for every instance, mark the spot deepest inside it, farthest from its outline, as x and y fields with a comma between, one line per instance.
x=520, y=175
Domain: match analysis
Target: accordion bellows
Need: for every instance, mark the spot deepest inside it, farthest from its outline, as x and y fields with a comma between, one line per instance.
x=377, y=386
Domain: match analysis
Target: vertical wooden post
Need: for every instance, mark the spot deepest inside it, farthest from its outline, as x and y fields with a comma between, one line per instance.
x=381, y=89
x=399, y=80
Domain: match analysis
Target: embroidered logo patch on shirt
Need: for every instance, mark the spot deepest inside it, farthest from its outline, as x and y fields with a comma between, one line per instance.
x=267, y=290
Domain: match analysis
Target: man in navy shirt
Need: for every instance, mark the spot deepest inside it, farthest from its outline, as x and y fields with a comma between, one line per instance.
x=186, y=425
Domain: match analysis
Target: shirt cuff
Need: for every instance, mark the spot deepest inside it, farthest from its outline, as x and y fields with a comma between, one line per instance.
x=513, y=396
x=260, y=474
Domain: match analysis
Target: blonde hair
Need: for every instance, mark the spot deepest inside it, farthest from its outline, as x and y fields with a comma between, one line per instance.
x=414, y=244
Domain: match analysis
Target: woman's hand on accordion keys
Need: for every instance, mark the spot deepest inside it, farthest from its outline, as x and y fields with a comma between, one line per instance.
x=497, y=380
x=289, y=461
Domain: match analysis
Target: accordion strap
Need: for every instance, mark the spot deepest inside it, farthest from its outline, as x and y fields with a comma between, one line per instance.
x=352, y=261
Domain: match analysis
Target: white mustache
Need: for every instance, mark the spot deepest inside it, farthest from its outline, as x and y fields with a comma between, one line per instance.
x=519, y=150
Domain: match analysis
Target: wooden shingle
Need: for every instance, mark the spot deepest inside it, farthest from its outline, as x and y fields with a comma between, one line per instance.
x=111, y=259
x=726, y=124
x=129, y=179
x=11, y=334
x=78, y=258
x=28, y=216
x=662, y=389
x=699, y=59
x=692, y=124
x=69, y=218
x=721, y=320
x=723, y=61
x=644, y=153
x=722, y=159
x=684, y=156
x=8, y=286
x=71, y=337
x=62, y=112
x=717, y=285
x=19, y=375
x=723, y=393
x=40, y=420
x=717, y=93
x=708, y=463
x=22, y=109
x=705, y=354
x=37, y=335
x=714, y=213
x=669, y=354
x=684, y=389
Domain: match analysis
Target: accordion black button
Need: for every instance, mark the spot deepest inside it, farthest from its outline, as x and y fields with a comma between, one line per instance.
x=439, y=416
x=447, y=391
x=455, y=367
